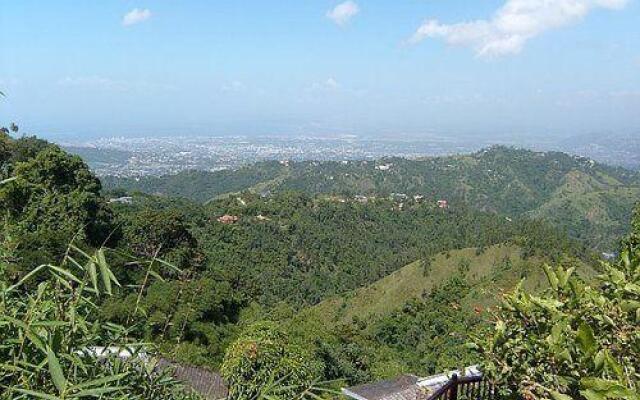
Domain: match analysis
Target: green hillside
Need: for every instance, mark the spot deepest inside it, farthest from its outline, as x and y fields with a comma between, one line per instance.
x=485, y=270
x=202, y=185
x=455, y=291
x=413, y=280
x=591, y=201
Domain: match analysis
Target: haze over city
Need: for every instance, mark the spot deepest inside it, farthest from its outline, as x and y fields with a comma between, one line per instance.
x=481, y=69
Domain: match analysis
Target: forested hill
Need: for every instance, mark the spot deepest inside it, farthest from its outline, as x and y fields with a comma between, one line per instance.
x=591, y=201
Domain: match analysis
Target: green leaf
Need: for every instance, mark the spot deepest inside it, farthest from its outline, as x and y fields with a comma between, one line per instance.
x=98, y=391
x=586, y=339
x=556, y=332
x=632, y=288
x=39, y=395
x=57, y=376
x=93, y=274
x=598, y=360
x=564, y=276
x=104, y=271
x=551, y=277
x=168, y=265
x=4, y=181
x=66, y=273
x=629, y=306
x=605, y=389
x=592, y=395
x=624, y=256
x=559, y=396
x=613, y=365
x=99, y=381
x=25, y=278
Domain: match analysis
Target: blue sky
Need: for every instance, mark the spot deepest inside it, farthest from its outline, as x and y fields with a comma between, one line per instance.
x=365, y=67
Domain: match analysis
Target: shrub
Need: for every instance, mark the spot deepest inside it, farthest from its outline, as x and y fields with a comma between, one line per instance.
x=574, y=342
x=263, y=363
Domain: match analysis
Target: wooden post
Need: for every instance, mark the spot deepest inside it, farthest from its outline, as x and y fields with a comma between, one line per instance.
x=453, y=393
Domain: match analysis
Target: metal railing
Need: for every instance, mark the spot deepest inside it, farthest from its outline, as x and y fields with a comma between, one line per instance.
x=464, y=388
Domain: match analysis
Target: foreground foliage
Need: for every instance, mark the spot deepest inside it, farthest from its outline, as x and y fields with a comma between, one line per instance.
x=48, y=334
x=577, y=341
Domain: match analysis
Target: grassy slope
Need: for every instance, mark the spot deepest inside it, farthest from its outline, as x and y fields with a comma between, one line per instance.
x=486, y=274
x=585, y=203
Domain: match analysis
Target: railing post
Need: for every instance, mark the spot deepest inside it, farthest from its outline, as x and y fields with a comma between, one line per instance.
x=453, y=393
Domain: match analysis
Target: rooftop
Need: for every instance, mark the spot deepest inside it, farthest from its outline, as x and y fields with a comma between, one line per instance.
x=405, y=387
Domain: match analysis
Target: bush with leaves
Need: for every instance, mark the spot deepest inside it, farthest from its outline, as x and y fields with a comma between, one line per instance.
x=264, y=364
x=574, y=342
x=48, y=335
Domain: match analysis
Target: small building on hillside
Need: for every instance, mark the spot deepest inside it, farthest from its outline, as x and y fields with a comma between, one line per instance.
x=361, y=199
x=228, y=219
x=406, y=387
x=122, y=200
x=443, y=204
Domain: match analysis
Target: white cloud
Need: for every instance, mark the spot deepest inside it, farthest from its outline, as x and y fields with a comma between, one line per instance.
x=329, y=85
x=516, y=22
x=332, y=83
x=95, y=82
x=343, y=12
x=92, y=82
x=136, y=16
x=233, y=86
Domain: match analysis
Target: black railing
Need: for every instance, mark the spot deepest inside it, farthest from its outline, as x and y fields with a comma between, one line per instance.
x=465, y=388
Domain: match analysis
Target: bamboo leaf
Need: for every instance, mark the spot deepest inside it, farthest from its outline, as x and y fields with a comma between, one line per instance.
x=4, y=181
x=99, y=381
x=93, y=274
x=104, y=272
x=55, y=370
x=25, y=278
x=39, y=395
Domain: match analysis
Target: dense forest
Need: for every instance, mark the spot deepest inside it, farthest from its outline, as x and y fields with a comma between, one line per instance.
x=590, y=201
x=333, y=284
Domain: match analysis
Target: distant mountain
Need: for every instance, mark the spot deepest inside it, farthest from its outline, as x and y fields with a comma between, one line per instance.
x=592, y=201
x=202, y=185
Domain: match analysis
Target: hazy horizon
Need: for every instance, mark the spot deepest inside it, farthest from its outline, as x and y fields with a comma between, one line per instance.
x=374, y=69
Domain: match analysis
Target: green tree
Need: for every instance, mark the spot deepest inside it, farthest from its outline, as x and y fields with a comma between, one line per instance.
x=161, y=233
x=52, y=198
x=263, y=362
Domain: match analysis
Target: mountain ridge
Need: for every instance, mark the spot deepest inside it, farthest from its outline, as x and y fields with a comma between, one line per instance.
x=507, y=181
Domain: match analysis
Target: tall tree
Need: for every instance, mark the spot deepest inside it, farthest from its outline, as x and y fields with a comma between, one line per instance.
x=53, y=198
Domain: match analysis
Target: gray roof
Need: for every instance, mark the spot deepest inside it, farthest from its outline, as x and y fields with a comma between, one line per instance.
x=202, y=381
x=403, y=387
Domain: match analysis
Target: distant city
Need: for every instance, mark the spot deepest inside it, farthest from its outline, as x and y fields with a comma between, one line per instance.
x=130, y=157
